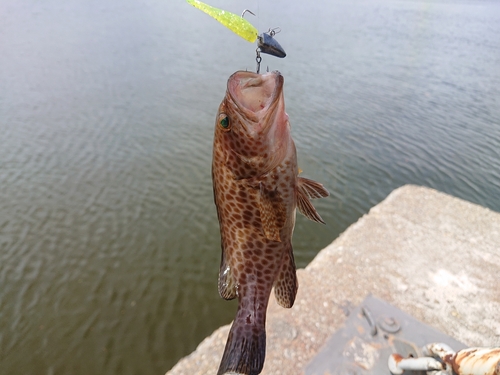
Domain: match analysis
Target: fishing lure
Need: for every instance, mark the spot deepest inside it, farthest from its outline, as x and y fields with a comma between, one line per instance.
x=233, y=22
x=267, y=43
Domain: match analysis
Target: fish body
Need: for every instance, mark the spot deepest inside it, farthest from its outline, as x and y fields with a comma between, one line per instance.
x=256, y=191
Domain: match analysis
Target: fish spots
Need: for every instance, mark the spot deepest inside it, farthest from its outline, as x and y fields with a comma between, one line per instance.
x=257, y=252
x=235, y=274
x=242, y=171
x=247, y=215
x=270, y=257
x=271, y=246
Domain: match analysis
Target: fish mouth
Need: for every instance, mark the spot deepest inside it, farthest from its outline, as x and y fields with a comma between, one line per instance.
x=256, y=96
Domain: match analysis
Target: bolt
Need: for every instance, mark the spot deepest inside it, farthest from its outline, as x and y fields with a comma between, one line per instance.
x=389, y=324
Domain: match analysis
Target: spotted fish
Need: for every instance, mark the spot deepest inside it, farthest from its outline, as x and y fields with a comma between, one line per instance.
x=256, y=190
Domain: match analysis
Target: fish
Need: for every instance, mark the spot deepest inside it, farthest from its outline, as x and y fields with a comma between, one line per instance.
x=257, y=190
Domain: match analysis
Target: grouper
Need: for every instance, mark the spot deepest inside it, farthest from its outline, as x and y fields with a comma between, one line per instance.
x=257, y=189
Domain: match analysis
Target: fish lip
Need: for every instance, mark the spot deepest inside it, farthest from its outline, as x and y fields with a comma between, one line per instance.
x=247, y=109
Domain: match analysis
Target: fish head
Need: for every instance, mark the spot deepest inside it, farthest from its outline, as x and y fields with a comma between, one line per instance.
x=252, y=128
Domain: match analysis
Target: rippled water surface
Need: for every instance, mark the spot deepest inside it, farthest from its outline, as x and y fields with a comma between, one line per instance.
x=109, y=242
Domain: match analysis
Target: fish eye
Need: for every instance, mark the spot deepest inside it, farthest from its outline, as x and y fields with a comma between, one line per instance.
x=224, y=121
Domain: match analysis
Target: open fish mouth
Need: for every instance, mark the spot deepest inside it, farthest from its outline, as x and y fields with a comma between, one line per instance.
x=255, y=94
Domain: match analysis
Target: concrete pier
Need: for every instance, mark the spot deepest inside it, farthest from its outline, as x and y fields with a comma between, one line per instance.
x=432, y=255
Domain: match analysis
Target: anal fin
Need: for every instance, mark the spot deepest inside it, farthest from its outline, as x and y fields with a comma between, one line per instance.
x=309, y=189
x=286, y=283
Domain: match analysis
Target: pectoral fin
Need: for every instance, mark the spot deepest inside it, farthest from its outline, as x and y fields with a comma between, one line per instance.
x=286, y=284
x=309, y=189
x=272, y=212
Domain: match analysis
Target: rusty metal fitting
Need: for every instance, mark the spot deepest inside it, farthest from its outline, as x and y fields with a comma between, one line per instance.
x=397, y=364
x=472, y=361
x=437, y=349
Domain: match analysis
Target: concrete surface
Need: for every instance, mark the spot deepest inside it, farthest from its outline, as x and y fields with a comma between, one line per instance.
x=432, y=255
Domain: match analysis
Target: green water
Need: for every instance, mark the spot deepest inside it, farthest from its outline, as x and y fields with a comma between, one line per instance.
x=109, y=242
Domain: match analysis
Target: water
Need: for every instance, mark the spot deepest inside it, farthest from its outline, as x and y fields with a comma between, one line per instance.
x=109, y=242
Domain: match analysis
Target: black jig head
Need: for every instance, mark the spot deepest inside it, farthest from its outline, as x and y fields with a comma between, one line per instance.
x=267, y=43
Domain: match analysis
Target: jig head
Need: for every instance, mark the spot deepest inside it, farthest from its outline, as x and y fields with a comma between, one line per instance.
x=267, y=44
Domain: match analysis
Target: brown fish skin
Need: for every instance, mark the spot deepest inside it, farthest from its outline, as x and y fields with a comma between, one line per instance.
x=256, y=192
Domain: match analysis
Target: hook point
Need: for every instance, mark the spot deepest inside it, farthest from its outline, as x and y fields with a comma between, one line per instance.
x=247, y=10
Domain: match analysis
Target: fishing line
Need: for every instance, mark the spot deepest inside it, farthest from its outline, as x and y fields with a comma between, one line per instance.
x=258, y=12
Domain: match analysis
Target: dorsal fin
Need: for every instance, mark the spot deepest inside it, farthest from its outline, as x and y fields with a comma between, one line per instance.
x=272, y=212
x=307, y=189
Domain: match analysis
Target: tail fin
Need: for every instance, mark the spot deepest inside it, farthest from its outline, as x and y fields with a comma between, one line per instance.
x=245, y=349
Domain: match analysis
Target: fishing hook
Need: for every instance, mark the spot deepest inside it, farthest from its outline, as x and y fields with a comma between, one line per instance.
x=247, y=10
x=258, y=59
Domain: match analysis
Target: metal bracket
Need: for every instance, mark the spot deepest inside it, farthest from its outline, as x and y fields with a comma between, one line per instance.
x=372, y=332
